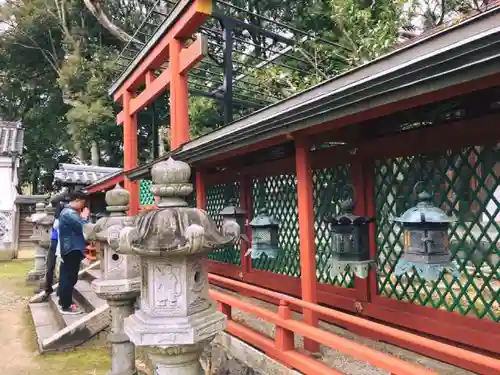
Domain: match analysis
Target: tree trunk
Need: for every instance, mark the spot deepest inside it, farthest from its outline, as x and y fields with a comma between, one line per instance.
x=35, y=177
x=161, y=140
x=94, y=153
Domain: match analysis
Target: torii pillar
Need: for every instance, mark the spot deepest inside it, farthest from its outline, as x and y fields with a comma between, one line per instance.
x=170, y=47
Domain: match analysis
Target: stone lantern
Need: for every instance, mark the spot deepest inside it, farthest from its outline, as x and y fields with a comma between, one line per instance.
x=426, y=245
x=120, y=281
x=38, y=271
x=176, y=319
x=265, y=236
x=350, y=241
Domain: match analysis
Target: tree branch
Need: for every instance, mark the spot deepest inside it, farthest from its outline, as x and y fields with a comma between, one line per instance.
x=94, y=6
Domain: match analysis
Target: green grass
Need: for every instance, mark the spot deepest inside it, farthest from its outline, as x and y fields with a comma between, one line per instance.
x=13, y=275
x=82, y=361
x=91, y=359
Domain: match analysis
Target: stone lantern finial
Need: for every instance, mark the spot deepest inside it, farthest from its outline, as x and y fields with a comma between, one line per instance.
x=171, y=183
x=117, y=200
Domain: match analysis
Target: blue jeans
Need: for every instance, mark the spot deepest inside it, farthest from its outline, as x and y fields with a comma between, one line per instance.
x=50, y=266
x=68, y=277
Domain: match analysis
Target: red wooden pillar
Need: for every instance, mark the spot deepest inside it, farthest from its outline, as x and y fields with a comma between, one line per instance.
x=179, y=114
x=306, y=234
x=369, y=193
x=201, y=194
x=358, y=182
x=130, y=152
x=246, y=203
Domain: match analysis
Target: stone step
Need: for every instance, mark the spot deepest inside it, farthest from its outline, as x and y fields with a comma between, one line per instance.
x=93, y=273
x=85, y=297
x=44, y=320
x=81, y=275
x=56, y=331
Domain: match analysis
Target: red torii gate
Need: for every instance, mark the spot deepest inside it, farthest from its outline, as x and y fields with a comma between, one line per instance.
x=184, y=21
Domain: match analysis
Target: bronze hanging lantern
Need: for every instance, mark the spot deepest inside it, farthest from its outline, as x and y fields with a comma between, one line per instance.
x=234, y=221
x=426, y=244
x=265, y=236
x=350, y=240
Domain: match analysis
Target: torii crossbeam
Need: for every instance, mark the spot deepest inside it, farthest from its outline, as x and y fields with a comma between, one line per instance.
x=139, y=85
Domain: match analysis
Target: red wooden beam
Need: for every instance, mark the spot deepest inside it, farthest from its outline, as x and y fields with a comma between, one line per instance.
x=156, y=86
x=108, y=184
x=386, y=109
x=185, y=26
x=130, y=152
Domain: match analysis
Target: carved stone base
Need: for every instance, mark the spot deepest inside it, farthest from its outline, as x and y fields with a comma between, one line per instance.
x=145, y=330
x=121, y=289
x=180, y=360
x=38, y=271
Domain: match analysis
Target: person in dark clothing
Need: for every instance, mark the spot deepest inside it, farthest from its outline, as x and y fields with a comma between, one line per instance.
x=72, y=246
x=58, y=203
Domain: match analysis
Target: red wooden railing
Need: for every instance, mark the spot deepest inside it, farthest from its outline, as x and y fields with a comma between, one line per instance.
x=283, y=348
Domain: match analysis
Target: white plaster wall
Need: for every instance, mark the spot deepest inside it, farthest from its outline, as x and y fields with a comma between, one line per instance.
x=7, y=187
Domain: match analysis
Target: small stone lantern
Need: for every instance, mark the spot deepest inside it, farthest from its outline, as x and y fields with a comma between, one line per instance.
x=265, y=236
x=234, y=221
x=350, y=241
x=176, y=319
x=120, y=281
x=426, y=245
x=38, y=271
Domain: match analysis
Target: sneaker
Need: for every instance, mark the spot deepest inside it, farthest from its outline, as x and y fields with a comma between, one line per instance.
x=72, y=310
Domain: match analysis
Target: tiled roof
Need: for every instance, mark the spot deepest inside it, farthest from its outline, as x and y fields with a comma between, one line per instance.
x=11, y=138
x=82, y=174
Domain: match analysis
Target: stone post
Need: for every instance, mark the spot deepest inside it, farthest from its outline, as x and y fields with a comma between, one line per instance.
x=119, y=283
x=176, y=318
x=38, y=271
x=46, y=223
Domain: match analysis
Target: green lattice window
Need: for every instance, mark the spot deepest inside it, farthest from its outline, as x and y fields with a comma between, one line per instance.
x=329, y=188
x=278, y=195
x=218, y=197
x=465, y=183
x=145, y=196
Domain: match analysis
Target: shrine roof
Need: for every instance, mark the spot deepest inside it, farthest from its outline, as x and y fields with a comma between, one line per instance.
x=76, y=174
x=464, y=52
x=11, y=138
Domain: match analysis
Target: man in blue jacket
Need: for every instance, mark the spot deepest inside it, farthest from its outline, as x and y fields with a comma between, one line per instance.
x=72, y=245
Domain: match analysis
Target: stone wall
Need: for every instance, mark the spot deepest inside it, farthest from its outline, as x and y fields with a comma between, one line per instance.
x=228, y=355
